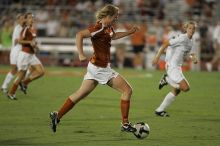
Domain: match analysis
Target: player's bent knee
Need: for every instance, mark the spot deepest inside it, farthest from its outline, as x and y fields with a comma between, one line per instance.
x=129, y=91
x=41, y=73
x=13, y=71
x=185, y=89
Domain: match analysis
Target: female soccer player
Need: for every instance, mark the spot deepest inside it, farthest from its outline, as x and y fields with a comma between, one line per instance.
x=27, y=58
x=178, y=49
x=98, y=69
x=16, y=48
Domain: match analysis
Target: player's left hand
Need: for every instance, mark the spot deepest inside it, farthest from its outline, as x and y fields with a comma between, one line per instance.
x=134, y=29
x=33, y=43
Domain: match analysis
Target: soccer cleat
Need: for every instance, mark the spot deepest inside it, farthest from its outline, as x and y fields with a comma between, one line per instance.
x=4, y=90
x=162, y=114
x=23, y=87
x=54, y=120
x=127, y=127
x=12, y=97
x=163, y=81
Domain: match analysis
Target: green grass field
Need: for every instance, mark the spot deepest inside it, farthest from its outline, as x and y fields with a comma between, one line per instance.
x=95, y=121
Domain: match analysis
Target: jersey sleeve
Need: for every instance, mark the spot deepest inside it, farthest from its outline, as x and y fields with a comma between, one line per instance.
x=94, y=29
x=16, y=33
x=91, y=28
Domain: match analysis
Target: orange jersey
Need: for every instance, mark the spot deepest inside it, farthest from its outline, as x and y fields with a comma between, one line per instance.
x=101, y=42
x=138, y=38
x=28, y=34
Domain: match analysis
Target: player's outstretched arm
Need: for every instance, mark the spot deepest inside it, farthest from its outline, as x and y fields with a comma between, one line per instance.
x=21, y=41
x=160, y=51
x=119, y=35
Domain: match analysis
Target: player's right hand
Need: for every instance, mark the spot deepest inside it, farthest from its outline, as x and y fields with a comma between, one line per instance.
x=82, y=58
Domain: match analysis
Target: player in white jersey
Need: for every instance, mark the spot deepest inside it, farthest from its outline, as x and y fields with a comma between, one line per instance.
x=15, y=49
x=178, y=49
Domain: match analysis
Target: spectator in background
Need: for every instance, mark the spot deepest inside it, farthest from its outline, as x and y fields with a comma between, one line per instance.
x=52, y=26
x=6, y=34
x=216, y=45
x=120, y=46
x=138, y=41
x=73, y=29
x=197, y=50
x=154, y=38
x=63, y=31
x=42, y=17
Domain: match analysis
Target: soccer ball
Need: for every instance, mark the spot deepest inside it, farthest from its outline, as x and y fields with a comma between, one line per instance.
x=143, y=130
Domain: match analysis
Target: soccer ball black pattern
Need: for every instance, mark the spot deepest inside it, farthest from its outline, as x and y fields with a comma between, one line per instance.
x=143, y=130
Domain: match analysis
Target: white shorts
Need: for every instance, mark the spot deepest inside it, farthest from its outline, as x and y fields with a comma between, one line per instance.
x=102, y=75
x=14, y=54
x=175, y=74
x=26, y=59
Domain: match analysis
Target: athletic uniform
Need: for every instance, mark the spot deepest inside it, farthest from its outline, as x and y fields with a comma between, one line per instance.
x=27, y=55
x=16, y=47
x=99, y=65
x=179, y=48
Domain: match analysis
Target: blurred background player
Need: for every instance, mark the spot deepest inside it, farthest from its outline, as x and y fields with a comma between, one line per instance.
x=98, y=69
x=120, y=47
x=179, y=48
x=15, y=49
x=138, y=41
x=27, y=58
x=216, y=45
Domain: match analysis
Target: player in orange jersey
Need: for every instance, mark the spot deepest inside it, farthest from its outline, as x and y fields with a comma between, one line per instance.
x=27, y=58
x=98, y=69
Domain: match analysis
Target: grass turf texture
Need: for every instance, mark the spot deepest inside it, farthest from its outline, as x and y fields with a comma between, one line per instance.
x=95, y=121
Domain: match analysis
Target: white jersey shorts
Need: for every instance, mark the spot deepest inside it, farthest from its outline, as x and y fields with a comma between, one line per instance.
x=102, y=75
x=26, y=59
x=14, y=54
x=175, y=74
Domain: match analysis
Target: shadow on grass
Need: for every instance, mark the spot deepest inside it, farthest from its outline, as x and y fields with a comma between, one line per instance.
x=16, y=141
x=207, y=120
x=27, y=141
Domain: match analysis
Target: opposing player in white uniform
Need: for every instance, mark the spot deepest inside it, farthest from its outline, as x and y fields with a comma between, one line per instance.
x=178, y=49
x=16, y=48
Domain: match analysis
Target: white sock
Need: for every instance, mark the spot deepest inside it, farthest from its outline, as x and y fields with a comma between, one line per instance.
x=9, y=77
x=170, y=97
x=173, y=84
